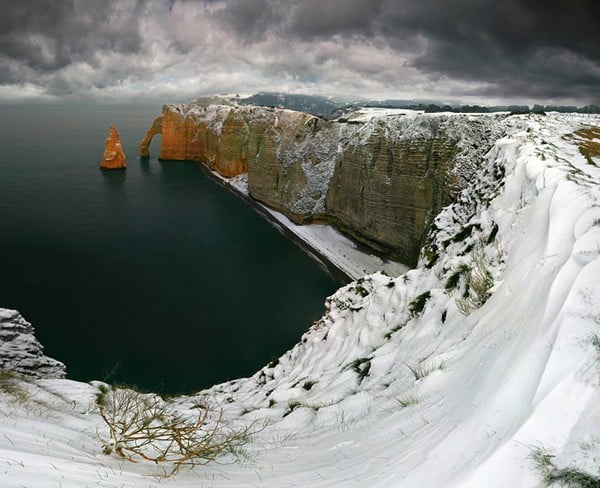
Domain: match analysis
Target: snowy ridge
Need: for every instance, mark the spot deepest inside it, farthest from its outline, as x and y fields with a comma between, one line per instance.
x=214, y=115
x=423, y=380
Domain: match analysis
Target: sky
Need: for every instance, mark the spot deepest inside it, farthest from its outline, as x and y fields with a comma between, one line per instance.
x=462, y=51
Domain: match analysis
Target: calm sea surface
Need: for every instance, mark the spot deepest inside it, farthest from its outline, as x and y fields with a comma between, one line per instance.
x=154, y=276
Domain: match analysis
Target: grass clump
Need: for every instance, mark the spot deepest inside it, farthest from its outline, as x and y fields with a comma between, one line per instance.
x=454, y=278
x=11, y=383
x=408, y=400
x=465, y=232
x=587, y=142
x=425, y=369
x=479, y=283
x=144, y=427
x=361, y=366
x=395, y=329
x=418, y=304
x=570, y=477
x=493, y=233
x=362, y=291
x=292, y=405
x=595, y=341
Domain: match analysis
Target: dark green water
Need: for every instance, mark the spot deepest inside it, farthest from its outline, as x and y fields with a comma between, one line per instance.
x=155, y=273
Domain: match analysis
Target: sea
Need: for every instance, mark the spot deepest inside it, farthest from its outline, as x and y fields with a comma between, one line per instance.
x=154, y=276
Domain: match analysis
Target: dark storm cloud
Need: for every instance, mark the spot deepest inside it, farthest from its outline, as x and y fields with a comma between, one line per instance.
x=252, y=20
x=304, y=19
x=541, y=49
x=396, y=48
x=46, y=35
x=547, y=48
x=315, y=18
x=40, y=39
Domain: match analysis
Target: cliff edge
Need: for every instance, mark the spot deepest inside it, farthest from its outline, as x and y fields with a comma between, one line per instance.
x=379, y=176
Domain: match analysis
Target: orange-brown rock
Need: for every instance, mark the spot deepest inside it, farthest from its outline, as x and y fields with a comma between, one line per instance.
x=156, y=128
x=217, y=135
x=114, y=157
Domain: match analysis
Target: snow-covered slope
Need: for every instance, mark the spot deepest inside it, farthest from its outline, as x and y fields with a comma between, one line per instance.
x=455, y=373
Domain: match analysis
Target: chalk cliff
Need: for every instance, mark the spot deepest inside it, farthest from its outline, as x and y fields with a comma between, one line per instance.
x=379, y=176
x=114, y=157
x=396, y=173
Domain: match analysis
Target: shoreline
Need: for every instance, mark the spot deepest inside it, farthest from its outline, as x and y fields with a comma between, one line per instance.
x=343, y=259
x=328, y=266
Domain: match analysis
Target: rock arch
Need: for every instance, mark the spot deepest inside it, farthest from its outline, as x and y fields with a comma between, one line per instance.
x=155, y=128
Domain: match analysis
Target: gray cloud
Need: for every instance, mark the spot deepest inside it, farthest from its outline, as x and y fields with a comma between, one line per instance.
x=47, y=35
x=474, y=50
x=317, y=19
x=252, y=21
x=544, y=52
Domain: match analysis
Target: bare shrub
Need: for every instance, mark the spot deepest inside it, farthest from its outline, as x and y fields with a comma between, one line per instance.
x=144, y=426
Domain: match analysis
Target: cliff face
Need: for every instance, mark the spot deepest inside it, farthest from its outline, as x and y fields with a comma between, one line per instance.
x=293, y=165
x=216, y=135
x=396, y=174
x=114, y=157
x=380, y=179
x=385, y=190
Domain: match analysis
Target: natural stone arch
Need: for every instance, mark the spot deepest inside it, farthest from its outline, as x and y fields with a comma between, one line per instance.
x=156, y=128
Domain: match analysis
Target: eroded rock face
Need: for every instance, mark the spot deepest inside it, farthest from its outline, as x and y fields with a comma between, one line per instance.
x=385, y=188
x=114, y=157
x=392, y=178
x=20, y=351
x=220, y=136
x=381, y=180
x=293, y=165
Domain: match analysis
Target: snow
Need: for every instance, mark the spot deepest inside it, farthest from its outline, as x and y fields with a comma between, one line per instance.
x=519, y=373
x=340, y=250
x=365, y=114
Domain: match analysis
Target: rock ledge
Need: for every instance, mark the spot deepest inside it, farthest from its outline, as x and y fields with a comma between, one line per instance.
x=21, y=352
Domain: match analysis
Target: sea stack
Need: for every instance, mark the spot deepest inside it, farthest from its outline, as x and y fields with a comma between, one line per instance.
x=114, y=157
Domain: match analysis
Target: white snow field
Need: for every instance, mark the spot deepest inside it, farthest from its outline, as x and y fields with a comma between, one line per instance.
x=452, y=374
